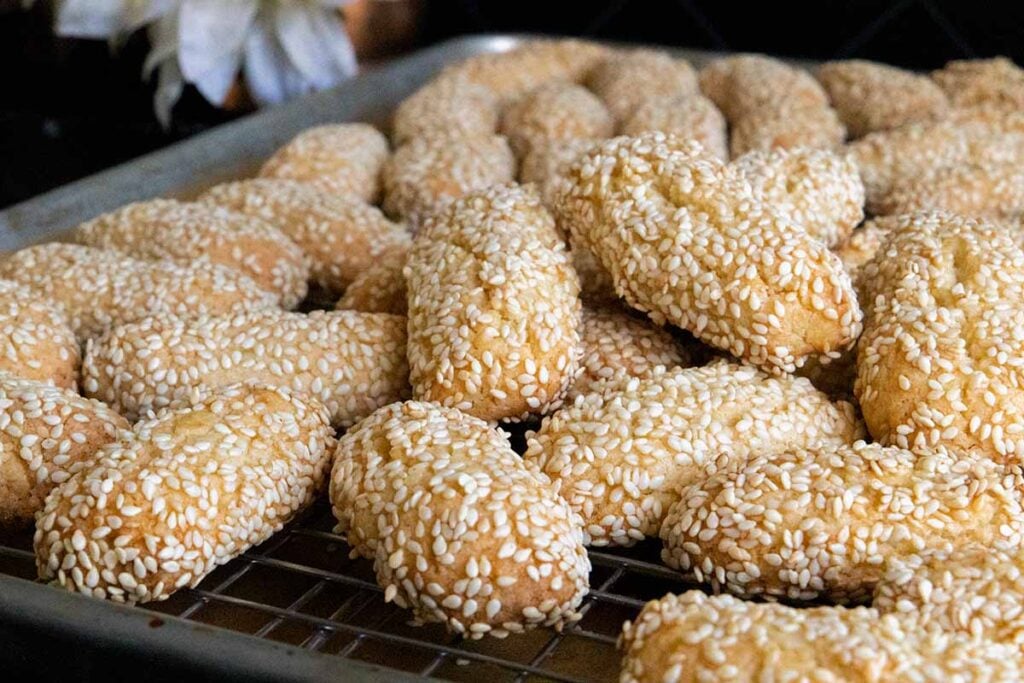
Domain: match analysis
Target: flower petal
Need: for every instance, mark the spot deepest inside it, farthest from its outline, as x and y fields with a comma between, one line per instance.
x=90, y=18
x=316, y=43
x=211, y=36
x=269, y=76
x=169, y=86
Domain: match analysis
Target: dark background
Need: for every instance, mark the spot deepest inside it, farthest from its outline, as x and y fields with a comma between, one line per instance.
x=69, y=107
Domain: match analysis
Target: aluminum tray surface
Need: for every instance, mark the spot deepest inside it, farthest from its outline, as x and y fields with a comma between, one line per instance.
x=306, y=610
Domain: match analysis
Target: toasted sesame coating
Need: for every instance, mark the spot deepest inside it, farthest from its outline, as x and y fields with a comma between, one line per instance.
x=622, y=455
x=770, y=104
x=617, y=346
x=536, y=62
x=36, y=341
x=189, y=232
x=887, y=158
x=352, y=362
x=823, y=522
x=459, y=529
x=98, y=288
x=341, y=235
x=941, y=361
x=341, y=158
x=971, y=589
x=692, y=117
x=992, y=190
x=554, y=113
x=47, y=434
x=183, y=493
x=626, y=79
x=861, y=245
x=547, y=165
x=989, y=82
x=688, y=241
x=870, y=96
x=445, y=105
x=493, y=307
x=819, y=189
x=427, y=173
x=380, y=288
x=697, y=638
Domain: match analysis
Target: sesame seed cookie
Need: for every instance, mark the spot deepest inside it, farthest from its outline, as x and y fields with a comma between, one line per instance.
x=183, y=493
x=862, y=244
x=443, y=106
x=36, y=341
x=514, y=73
x=341, y=158
x=554, y=113
x=493, y=307
x=817, y=188
x=987, y=82
x=98, y=288
x=823, y=522
x=617, y=345
x=695, y=638
x=770, y=104
x=353, y=362
x=622, y=455
x=425, y=174
x=189, y=232
x=988, y=190
x=691, y=117
x=629, y=77
x=47, y=435
x=687, y=240
x=941, y=360
x=459, y=529
x=380, y=288
x=972, y=589
x=546, y=166
x=341, y=235
x=596, y=286
x=870, y=96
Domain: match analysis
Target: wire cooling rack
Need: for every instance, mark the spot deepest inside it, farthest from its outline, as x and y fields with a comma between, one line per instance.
x=301, y=588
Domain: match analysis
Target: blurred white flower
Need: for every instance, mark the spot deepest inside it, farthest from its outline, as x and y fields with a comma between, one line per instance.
x=283, y=48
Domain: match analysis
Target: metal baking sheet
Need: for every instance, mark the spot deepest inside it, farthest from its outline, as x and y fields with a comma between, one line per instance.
x=295, y=608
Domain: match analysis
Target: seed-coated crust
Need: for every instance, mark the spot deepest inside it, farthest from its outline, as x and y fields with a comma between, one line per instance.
x=188, y=232
x=352, y=362
x=99, y=289
x=459, y=529
x=887, y=158
x=342, y=158
x=493, y=307
x=870, y=96
x=341, y=235
x=969, y=589
x=380, y=288
x=512, y=74
x=687, y=241
x=443, y=106
x=48, y=434
x=941, y=361
x=696, y=638
x=36, y=341
x=546, y=166
x=427, y=173
x=691, y=117
x=554, y=113
x=617, y=346
x=622, y=455
x=994, y=82
x=770, y=104
x=183, y=493
x=819, y=189
x=626, y=79
x=989, y=190
x=824, y=522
